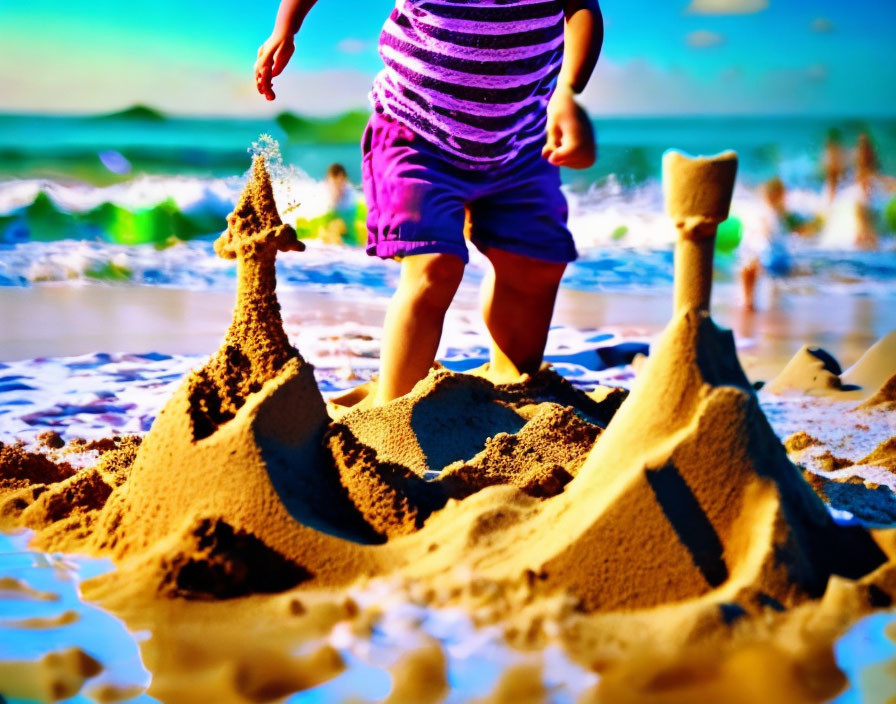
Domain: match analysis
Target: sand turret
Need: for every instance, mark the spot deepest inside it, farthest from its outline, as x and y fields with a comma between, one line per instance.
x=232, y=483
x=698, y=196
x=256, y=347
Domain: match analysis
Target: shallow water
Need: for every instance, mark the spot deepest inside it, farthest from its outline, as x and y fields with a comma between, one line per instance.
x=475, y=657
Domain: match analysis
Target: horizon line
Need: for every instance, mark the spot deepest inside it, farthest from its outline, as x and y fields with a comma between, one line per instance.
x=330, y=116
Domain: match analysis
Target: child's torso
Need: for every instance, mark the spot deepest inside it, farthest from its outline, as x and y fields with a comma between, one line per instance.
x=472, y=77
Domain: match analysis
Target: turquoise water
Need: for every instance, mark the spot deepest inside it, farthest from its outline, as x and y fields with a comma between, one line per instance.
x=630, y=148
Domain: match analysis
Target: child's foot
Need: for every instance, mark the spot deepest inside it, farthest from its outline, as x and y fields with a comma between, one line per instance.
x=500, y=374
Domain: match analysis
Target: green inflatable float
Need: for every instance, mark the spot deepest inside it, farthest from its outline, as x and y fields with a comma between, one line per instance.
x=345, y=226
x=43, y=221
x=729, y=235
x=890, y=215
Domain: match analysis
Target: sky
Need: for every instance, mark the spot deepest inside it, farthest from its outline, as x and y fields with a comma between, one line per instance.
x=660, y=57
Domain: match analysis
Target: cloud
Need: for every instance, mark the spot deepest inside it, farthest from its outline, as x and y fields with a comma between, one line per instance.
x=641, y=87
x=817, y=73
x=822, y=25
x=726, y=7
x=731, y=74
x=175, y=88
x=703, y=39
x=350, y=45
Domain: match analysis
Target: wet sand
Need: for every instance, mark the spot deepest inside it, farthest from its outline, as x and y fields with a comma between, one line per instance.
x=51, y=321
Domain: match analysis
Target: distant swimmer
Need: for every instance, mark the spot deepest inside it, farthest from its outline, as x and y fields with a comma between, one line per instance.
x=338, y=188
x=335, y=212
x=865, y=208
x=342, y=205
x=867, y=170
x=764, y=247
x=833, y=163
x=866, y=163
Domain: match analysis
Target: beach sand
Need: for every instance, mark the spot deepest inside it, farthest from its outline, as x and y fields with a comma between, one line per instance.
x=667, y=543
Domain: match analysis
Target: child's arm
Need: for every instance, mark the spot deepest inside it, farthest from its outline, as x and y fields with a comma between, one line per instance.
x=570, y=140
x=277, y=50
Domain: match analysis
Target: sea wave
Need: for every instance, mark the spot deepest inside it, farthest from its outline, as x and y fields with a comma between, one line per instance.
x=158, y=230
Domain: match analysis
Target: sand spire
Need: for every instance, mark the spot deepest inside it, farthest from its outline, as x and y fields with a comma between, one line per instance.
x=232, y=485
x=256, y=347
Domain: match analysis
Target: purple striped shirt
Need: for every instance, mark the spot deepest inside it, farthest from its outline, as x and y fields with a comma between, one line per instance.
x=471, y=76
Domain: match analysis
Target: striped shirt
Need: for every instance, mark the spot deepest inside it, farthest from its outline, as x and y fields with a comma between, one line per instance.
x=472, y=77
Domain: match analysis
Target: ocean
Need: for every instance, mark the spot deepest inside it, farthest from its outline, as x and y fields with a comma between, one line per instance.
x=138, y=196
x=630, y=148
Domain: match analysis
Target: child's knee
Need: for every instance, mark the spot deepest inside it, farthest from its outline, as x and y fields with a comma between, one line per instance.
x=432, y=281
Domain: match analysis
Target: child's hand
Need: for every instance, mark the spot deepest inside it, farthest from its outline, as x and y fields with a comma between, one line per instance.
x=273, y=56
x=570, y=135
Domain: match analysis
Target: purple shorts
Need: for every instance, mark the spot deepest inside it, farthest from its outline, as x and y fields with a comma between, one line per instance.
x=416, y=198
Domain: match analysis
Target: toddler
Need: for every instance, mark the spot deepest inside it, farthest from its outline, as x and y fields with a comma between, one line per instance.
x=474, y=112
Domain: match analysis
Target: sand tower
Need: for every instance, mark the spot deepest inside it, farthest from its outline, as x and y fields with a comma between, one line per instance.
x=232, y=485
x=688, y=492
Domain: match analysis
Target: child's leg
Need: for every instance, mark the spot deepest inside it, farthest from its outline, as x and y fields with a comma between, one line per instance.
x=414, y=319
x=518, y=298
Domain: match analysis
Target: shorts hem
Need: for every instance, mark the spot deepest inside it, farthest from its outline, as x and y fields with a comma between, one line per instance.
x=390, y=249
x=566, y=257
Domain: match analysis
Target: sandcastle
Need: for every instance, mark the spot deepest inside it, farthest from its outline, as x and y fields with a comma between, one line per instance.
x=676, y=499
x=681, y=497
x=688, y=491
x=228, y=490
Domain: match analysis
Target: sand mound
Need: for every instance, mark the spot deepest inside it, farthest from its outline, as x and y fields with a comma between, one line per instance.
x=884, y=455
x=82, y=493
x=21, y=468
x=470, y=434
x=800, y=441
x=24, y=477
x=874, y=367
x=885, y=397
x=540, y=459
x=434, y=427
x=811, y=371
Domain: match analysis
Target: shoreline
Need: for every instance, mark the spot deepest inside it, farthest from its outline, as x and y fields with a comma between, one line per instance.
x=60, y=320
